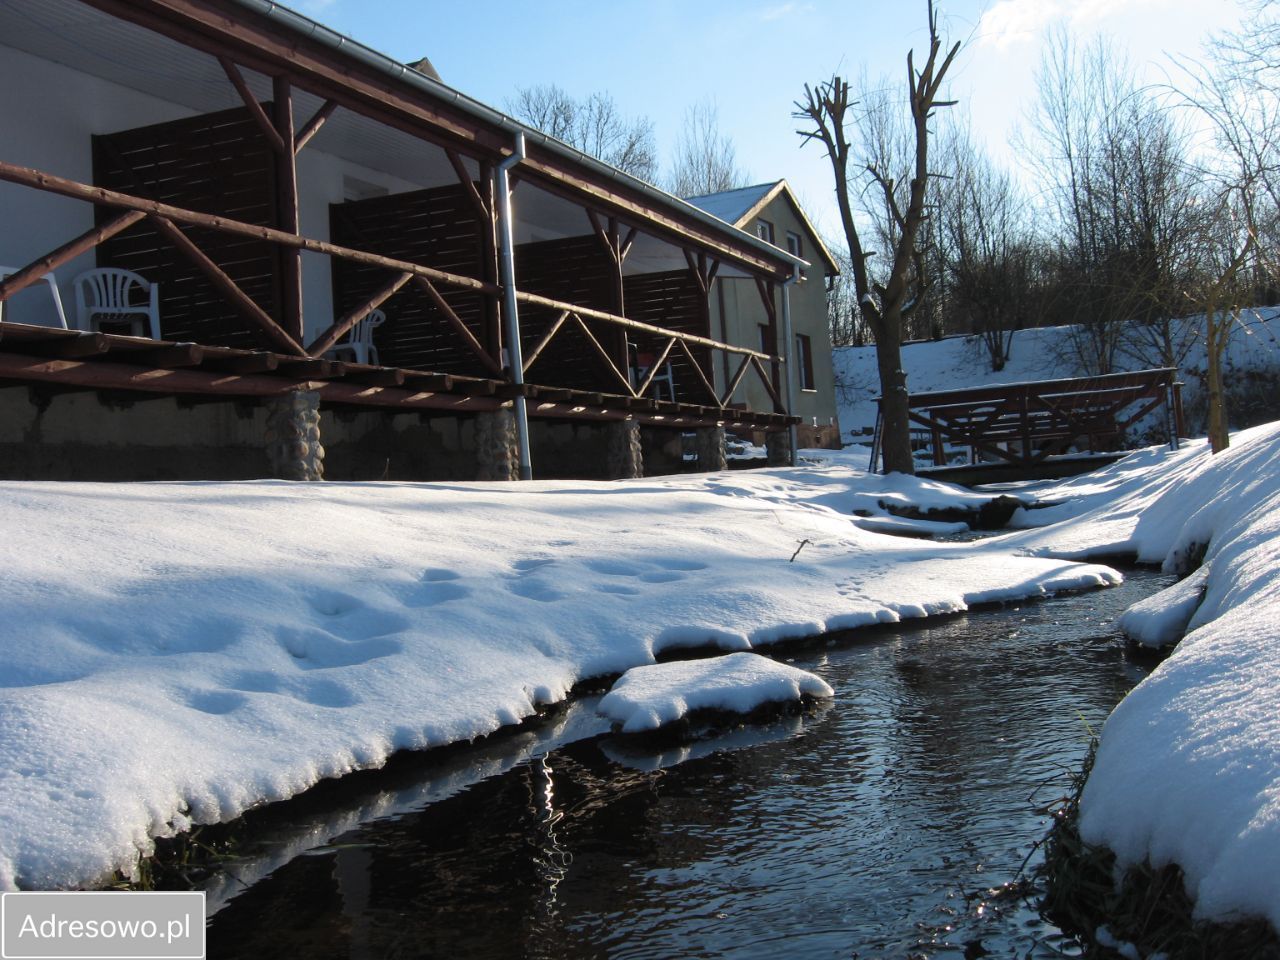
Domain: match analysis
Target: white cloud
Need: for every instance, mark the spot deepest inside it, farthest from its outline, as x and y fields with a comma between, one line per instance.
x=1011, y=22
x=1007, y=23
x=783, y=10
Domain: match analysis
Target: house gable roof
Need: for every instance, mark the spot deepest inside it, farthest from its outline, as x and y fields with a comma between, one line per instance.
x=739, y=207
x=732, y=206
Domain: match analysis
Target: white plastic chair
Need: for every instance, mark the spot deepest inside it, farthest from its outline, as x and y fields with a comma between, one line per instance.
x=111, y=295
x=359, y=340
x=664, y=376
x=53, y=292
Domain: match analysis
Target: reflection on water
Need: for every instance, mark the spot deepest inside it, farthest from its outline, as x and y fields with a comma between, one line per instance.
x=874, y=827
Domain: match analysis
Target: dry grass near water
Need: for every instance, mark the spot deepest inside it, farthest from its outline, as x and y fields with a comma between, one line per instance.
x=1149, y=908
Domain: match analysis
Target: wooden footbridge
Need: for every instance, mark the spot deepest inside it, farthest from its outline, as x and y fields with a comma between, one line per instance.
x=1029, y=430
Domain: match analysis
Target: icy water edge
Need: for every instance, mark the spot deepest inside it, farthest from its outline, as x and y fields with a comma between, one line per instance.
x=887, y=823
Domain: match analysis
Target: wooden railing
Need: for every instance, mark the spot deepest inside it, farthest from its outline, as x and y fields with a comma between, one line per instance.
x=167, y=218
x=1025, y=423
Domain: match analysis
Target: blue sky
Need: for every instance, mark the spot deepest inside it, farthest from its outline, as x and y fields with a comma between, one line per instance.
x=753, y=57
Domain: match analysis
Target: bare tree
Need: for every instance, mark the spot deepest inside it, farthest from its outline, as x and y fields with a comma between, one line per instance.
x=848, y=328
x=1116, y=162
x=705, y=159
x=825, y=107
x=1240, y=99
x=593, y=125
x=987, y=248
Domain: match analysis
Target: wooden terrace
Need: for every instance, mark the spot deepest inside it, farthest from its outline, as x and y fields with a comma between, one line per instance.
x=338, y=184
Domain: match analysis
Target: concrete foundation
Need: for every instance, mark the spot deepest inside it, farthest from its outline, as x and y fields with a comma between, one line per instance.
x=51, y=434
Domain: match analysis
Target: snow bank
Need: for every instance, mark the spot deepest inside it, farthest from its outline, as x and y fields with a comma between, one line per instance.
x=1161, y=620
x=649, y=697
x=177, y=653
x=1046, y=353
x=1188, y=770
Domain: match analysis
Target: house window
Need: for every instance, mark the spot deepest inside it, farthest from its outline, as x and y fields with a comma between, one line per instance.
x=804, y=362
x=794, y=247
x=764, y=230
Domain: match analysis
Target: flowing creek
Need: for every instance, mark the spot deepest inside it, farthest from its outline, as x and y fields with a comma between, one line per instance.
x=881, y=824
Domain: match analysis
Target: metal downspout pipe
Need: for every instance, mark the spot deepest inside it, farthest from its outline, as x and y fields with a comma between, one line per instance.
x=510, y=314
x=788, y=355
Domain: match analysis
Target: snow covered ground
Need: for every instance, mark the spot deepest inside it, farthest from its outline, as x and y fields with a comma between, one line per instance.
x=1188, y=770
x=177, y=653
x=1045, y=353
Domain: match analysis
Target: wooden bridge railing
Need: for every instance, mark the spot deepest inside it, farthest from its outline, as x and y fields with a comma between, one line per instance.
x=1025, y=423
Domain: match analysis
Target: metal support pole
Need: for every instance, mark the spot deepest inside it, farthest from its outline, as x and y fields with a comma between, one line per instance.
x=510, y=316
x=788, y=356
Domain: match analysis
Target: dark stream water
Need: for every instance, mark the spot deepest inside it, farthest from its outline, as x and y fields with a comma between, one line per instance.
x=881, y=825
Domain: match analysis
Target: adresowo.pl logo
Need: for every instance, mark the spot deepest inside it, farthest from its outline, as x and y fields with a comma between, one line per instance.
x=102, y=926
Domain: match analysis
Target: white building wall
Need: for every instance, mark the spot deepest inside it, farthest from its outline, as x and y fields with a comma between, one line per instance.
x=49, y=112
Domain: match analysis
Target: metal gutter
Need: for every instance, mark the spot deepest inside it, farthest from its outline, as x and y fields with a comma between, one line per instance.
x=300, y=24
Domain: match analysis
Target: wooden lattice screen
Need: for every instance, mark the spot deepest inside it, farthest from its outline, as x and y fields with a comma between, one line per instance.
x=672, y=300
x=437, y=227
x=572, y=270
x=217, y=163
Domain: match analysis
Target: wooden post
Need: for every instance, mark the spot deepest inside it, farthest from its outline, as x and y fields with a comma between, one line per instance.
x=489, y=262
x=290, y=258
x=771, y=311
x=620, y=350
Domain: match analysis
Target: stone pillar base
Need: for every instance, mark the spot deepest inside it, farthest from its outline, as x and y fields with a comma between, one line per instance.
x=710, y=447
x=625, y=460
x=292, y=436
x=778, y=448
x=497, y=450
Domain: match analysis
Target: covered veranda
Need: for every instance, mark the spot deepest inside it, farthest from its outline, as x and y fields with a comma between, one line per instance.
x=279, y=184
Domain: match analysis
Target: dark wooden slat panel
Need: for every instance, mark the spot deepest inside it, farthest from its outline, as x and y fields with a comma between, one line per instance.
x=216, y=163
x=436, y=227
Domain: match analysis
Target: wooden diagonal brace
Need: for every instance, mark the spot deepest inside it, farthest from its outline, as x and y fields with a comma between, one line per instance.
x=546, y=340
x=767, y=380
x=468, y=184
x=35, y=270
x=766, y=297
x=653, y=370
x=693, y=268
x=697, y=368
x=737, y=379
x=604, y=355
x=349, y=319
x=312, y=126
x=459, y=327
x=604, y=237
x=255, y=108
x=227, y=287
x=624, y=247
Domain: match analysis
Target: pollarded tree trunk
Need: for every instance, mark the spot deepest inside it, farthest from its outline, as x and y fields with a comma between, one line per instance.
x=894, y=409
x=1215, y=340
x=826, y=107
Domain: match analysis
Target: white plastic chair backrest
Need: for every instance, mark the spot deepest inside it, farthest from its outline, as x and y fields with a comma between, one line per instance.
x=362, y=331
x=110, y=290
